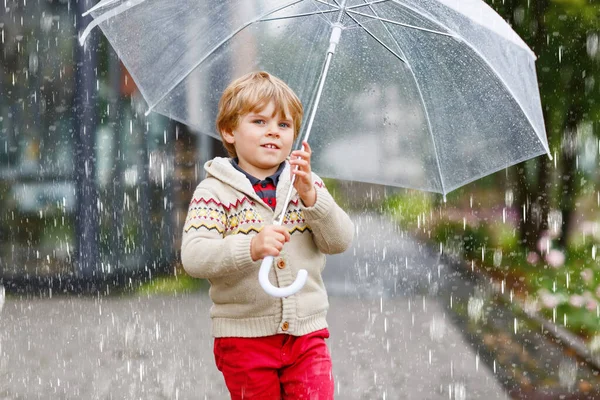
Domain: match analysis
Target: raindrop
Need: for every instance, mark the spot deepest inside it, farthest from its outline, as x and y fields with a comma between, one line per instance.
x=595, y=345
x=437, y=329
x=554, y=221
x=458, y=391
x=560, y=53
x=567, y=373
x=46, y=22
x=519, y=15
x=497, y=257
x=590, y=83
x=2, y=296
x=33, y=62
x=509, y=198
x=475, y=308
x=592, y=45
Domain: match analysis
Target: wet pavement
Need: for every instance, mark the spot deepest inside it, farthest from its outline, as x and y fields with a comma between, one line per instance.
x=160, y=348
x=391, y=336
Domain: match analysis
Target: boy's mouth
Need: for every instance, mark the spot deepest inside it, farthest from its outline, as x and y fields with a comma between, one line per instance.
x=270, y=146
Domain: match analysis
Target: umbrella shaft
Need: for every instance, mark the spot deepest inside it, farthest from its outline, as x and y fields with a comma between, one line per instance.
x=333, y=41
x=315, y=104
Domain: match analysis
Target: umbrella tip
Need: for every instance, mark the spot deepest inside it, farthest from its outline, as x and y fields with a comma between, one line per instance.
x=444, y=197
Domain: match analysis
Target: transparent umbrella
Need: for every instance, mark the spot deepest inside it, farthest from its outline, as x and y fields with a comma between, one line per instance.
x=422, y=94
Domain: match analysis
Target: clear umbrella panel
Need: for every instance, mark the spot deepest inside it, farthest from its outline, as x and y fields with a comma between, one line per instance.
x=427, y=94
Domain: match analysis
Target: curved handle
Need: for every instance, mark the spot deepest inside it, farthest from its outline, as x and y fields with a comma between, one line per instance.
x=263, y=279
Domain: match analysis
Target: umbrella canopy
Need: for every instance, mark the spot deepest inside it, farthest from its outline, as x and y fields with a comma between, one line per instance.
x=423, y=94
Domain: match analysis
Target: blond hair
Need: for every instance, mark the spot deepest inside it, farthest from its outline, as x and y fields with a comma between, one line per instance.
x=252, y=93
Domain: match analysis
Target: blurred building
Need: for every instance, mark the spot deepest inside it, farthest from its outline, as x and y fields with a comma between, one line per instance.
x=142, y=170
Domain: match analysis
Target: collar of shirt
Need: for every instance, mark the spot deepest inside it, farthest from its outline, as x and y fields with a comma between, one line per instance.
x=253, y=180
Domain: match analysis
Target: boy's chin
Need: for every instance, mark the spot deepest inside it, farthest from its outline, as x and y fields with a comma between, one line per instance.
x=274, y=162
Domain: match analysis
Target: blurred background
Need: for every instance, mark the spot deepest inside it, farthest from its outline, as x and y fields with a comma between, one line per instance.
x=90, y=188
x=93, y=193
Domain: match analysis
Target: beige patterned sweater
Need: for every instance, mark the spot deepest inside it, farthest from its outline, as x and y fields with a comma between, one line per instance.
x=224, y=214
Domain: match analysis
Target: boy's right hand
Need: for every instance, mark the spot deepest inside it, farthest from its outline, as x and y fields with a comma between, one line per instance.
x=268, y=242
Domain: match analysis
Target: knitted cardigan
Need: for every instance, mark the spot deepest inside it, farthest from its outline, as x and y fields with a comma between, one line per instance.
x=224, y=214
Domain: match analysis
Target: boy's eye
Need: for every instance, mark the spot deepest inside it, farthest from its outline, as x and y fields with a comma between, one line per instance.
x=259, y=121
x=284, y=125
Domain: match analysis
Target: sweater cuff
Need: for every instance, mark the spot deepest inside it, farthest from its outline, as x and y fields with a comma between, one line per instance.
x=241, y=252
x=322, y=206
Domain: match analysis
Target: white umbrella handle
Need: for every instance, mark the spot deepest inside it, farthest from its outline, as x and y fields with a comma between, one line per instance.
x=263, y=279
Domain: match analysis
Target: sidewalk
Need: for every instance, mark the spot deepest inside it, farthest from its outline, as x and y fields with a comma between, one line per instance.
x=391, y=337
x=160, y=348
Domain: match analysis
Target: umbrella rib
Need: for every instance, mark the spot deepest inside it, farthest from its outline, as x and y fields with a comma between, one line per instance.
x=485, y=60
x=298, y=15
x=225, y=40
x=429, y=126
x=366, y=4
x=401, y=24
x=327, y=4
x=99, y=5
x=322, y=16
x=370, y=5
x=510, y=92
x=379, y=40
x=107, y=15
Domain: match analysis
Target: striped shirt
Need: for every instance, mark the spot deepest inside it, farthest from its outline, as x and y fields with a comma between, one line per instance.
x=266, y=188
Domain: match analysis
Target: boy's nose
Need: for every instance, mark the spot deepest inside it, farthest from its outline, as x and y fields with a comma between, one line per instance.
x=273, y=129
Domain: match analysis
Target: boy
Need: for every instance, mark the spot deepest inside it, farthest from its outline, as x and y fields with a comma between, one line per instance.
x=266, y=347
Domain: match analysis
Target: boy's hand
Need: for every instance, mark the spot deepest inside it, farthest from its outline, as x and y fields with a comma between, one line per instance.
x=303, y=183
x=268, y=242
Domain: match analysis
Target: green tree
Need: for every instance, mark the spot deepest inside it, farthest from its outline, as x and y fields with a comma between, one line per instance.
x=564, y=36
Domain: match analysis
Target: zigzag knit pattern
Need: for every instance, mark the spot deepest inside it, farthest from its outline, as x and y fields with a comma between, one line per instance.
x=239, y=217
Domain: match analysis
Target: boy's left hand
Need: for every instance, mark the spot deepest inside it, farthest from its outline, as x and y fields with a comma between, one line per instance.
x=303, y=183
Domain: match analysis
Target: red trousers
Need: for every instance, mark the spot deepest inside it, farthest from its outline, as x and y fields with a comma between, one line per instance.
x=276, y=367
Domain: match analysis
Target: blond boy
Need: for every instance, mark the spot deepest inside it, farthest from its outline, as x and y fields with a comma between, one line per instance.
x=266, y=347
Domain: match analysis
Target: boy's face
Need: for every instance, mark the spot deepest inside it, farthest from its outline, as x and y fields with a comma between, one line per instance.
x=262, y=141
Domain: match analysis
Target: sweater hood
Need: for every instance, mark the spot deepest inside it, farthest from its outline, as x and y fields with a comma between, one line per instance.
x=220, y=168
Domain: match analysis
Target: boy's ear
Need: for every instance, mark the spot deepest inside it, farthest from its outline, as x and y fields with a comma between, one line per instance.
x=227, y=136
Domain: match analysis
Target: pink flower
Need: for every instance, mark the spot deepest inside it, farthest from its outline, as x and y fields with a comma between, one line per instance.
x=590, y=302
x=532, y=257
x=549, y=300
x=587, y=275
x=543, y=244
x=592, y=305
x=555, y=258
x=577, y=300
